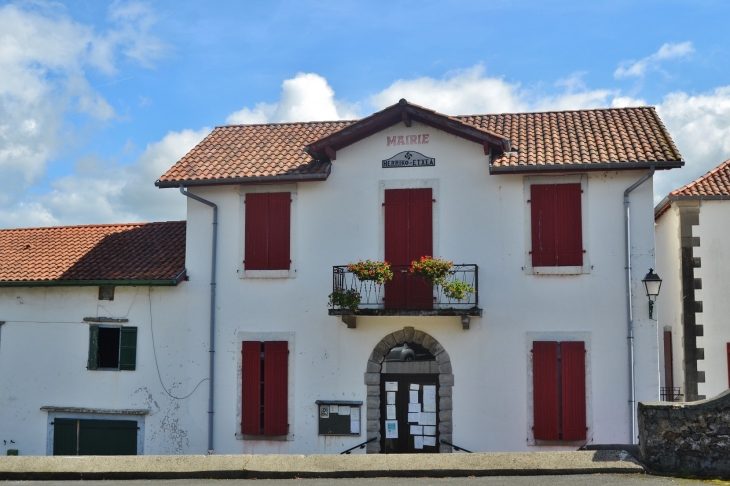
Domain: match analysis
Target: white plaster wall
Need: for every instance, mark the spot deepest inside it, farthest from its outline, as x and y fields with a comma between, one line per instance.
x=714, y=250
x=481, y=220
x=43, y=354
x=669, y=302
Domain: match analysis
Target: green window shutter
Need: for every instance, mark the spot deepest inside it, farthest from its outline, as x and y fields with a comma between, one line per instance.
x=93, y=362
x=128, y=356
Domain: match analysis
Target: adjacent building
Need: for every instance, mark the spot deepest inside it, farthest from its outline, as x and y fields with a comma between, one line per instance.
x=693, y=253
x=509, y=333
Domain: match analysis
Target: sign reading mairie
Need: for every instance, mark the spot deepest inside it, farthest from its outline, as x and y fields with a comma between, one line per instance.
x=409, y=159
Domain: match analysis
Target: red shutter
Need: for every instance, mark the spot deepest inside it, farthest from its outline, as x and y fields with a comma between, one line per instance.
x=276, y=389
x=557, y=228
x=569, y=232
x=668, y=364
x=257, y=232
x=542, y=207
x=396, y=245
x=251, y=388
x=545, y=389
x=279, y=227
x=573, y=357
x=420, y=235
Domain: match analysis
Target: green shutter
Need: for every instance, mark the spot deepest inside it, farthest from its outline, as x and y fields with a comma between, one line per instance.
x=64, y=437
x=128, y=356
x=93, y=362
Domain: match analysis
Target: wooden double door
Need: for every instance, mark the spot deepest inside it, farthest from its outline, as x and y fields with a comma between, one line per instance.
x=413, y=408
x=408, y=237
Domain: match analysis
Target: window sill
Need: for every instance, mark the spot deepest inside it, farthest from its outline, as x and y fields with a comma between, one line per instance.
x=573, y=270
x=268, y=273
x=280, y=438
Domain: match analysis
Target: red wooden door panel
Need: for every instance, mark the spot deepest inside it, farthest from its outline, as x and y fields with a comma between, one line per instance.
x=668, y=365
x=545, y=390
x=257, y=232
x=573, y=357
x=408, y=237
x=569, y=241
x=251, y=388
x=276, y=390
x=279, y=227
x=420, y=232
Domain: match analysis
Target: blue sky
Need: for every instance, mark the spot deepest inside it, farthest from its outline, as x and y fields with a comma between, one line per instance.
x=97, y=99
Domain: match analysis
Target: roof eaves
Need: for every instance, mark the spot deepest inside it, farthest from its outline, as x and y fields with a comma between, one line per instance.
x=402, y=112
x=247, y=180
x=95, y=283
x=517, y=169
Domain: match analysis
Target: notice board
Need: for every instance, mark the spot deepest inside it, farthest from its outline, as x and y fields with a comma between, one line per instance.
x=339, y=417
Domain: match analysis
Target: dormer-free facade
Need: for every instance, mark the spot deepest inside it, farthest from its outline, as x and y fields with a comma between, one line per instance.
x=510, y=315
x=529, y=353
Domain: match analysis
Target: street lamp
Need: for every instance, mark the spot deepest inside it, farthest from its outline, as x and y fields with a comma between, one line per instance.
x=652, y=284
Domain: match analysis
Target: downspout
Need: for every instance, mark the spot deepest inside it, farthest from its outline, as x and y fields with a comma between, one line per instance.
x=211, y=351
x=629, y=311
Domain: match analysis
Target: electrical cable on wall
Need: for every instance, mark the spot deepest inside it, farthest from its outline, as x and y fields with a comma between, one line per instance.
x=154, y=352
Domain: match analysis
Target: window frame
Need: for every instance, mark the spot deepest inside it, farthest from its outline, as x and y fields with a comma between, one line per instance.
x=528, y=181
x=259, y=189
x=558, y=336
x=262, y=337
x=121, y=328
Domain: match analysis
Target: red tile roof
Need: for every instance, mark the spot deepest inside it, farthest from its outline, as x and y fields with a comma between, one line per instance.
x=561, y=139
x=254, y=152
x=620, y=138
x=118, y=253
x=714, y=183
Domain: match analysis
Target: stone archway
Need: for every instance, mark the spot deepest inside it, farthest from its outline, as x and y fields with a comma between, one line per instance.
x=372, y=380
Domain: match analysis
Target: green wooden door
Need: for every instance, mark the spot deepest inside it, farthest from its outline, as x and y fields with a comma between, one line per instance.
x=94, y=437
x=64, y=437
x=108, y=438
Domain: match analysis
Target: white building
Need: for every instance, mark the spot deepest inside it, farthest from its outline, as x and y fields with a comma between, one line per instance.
x=693, y=255
x=531, y=208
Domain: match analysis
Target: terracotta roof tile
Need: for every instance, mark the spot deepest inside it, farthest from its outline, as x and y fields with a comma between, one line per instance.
x=558, y=139
x=714, y=183
x=136, y=251
x=600, y=136
x=238, y=151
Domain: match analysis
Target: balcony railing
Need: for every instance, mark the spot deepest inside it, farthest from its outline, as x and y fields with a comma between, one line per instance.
x=670, y=394
x=407, y=294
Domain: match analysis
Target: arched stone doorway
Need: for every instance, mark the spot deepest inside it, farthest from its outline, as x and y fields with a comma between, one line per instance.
x=445, y=381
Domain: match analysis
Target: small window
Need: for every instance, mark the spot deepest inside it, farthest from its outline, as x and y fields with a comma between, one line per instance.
x=267, y=227
x=112, y=348
x=557, y=229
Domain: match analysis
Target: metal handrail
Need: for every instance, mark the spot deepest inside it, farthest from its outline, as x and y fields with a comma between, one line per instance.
x=359, y=446
x=372, y=294
x=455, y=447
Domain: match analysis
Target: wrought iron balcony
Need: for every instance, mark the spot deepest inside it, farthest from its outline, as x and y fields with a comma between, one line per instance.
x=670, y=394
x=406, y=294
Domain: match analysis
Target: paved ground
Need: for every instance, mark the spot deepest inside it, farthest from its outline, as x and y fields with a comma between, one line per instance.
x=573, y=480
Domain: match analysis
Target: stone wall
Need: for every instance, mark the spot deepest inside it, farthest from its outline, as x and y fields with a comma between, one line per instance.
x=690, y=438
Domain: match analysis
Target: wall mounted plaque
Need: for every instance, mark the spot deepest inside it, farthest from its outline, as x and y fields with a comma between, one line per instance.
x=409, y=158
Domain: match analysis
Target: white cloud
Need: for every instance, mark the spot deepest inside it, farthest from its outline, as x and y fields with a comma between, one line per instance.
x=306, y=97
x=102, y=193
x=666, y=52
x=44, y=57
x=470, y=91
x=700, y=127
x=459, y=93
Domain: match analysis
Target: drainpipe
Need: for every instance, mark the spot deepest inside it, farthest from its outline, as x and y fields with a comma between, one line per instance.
x=629, y=311
x=212, y=314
